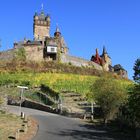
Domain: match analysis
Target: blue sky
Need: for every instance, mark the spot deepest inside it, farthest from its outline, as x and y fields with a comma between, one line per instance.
x=85, y=25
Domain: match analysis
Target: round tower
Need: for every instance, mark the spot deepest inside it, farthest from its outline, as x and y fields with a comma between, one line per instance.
x=57, y=33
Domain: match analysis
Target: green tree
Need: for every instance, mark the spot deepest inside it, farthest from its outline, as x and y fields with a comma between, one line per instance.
x=20, y=54
x=133, y=104
x=137, y=71
x=109, y=95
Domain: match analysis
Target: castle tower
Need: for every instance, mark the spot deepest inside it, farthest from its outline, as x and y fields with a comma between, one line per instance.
x=57, y=33
x=106, y=57
x=41, y=26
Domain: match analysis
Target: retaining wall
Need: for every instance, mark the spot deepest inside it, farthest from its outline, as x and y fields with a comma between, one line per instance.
x=76, y=61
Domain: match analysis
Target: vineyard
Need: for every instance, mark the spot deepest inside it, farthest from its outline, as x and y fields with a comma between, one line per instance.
x=58, y=82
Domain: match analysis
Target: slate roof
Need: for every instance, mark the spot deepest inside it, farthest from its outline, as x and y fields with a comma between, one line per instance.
x=42, y=16
x=118, y=67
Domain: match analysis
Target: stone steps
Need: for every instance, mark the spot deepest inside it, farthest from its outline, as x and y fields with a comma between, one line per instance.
x=74, y=103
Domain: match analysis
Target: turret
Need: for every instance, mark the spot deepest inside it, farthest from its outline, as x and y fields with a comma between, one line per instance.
x=106, y=60
x=104, y=51
x=57, y=33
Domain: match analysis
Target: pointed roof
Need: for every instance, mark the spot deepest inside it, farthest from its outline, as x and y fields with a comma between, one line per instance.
x=97, y=59
x=104, y=50
x=57, y=30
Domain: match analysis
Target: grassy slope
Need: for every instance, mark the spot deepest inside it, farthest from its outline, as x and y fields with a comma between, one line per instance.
x=8, y=125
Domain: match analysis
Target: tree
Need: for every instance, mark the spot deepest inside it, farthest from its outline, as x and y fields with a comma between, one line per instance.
x=20, y=54
x=109, y=95
x=137, y=71
x=133, y=104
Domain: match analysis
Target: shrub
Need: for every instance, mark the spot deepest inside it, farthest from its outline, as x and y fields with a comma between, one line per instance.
x=109, y=94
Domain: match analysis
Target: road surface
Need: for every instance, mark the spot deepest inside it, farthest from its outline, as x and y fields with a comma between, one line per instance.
x=56, y=127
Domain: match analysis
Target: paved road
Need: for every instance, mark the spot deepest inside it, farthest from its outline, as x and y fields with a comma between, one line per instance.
x=55, y=127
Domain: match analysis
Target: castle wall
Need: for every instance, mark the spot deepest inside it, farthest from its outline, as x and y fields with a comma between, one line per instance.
x=122, y=73
x=7, y=55
x=78, y=61
x=34, y=53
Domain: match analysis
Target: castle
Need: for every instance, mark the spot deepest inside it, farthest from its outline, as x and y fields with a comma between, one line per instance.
x=43, y=47
x=46, y=48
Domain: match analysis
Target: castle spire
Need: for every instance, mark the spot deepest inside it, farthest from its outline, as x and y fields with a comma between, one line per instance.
x=104, y=50
x=42, y=7
x=97, y=54
x=57, y=32
x=57, y=29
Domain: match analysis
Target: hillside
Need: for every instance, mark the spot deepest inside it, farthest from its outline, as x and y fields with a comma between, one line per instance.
x=57, y=81
x=48, y=82
x=57, y=76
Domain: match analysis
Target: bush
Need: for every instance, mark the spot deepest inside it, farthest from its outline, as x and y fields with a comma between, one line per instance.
x=109, y=95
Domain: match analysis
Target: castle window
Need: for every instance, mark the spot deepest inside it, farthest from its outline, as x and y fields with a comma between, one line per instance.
x=52, y=49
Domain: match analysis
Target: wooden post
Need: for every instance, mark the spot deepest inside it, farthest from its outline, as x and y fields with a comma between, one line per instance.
x=22, y=115
x=25, y=119
x=17, y=134
x=92, y=111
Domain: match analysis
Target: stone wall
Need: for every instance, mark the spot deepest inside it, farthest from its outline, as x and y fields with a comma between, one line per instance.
x=76, y=61
x=35, y=105
x=34, y=53
x=40, y=31
x=3, y=102
x=7, y=55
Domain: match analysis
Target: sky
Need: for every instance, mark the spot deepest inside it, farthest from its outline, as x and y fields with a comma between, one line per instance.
x=84, y=24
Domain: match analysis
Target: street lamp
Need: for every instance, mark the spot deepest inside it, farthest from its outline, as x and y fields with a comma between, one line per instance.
x=21, y=94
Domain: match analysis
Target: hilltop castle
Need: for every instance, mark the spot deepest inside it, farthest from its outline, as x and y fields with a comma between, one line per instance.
x=44, y=47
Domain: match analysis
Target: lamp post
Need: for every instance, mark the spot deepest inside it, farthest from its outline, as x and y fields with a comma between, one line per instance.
x=21, y=95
